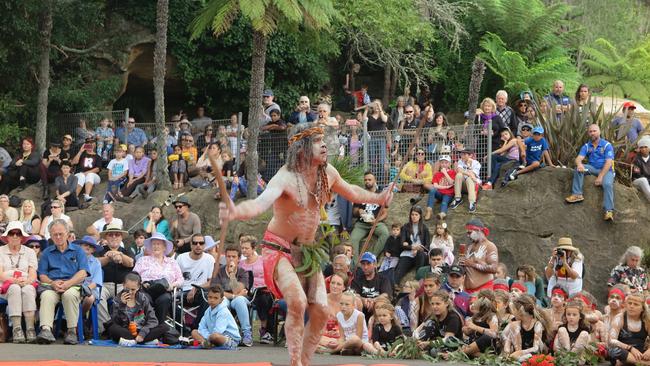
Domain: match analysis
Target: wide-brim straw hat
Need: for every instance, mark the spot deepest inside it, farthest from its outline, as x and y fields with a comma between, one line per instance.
x=113, y=228
x=14, y=225
x=566, y=244
x=158, y=236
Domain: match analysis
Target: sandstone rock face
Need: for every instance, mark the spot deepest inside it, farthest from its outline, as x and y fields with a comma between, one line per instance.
x=525, y=219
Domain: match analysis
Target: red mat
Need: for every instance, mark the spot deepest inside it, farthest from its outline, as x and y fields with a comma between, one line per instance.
x=82, y=363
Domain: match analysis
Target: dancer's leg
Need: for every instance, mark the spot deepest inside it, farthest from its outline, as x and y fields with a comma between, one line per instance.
x=317, y=310
x=289, y=284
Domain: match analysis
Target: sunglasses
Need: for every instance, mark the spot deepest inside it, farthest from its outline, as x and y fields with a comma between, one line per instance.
x=198, y=242
x=419, y=153
x=525, y=129
x=408, y=111
x=56, y=206
x=179, y=206
x=14, y=233
x=33, y=246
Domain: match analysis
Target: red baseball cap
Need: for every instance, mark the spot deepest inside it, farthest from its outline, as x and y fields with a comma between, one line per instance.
x=629, y=105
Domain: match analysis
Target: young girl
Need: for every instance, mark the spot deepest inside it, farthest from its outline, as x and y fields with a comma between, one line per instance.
x=629, y=333
x=573, y=335
x=615, y=303
x=386, y=329
x=502, y=304
x=177, y=167
x=525, y=336
x=442, y=239
x=431, y=284
x=409, y=304
x=556, y=311
x=508, y=152
x=593, y=316
x=444, y=321
x=482, y=328
x=352, y=327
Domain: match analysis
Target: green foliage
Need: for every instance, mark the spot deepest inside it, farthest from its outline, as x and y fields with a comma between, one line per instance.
x=348, y=171
x=613, y=74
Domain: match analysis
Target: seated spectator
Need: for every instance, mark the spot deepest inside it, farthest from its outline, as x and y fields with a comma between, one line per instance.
x=455, y=281
x=126, y=329
x=467, y=180
x=507, y=153
x=88, y=166
x=330, y=338
x=629, y=127
x=160, y=274
x=204, y=177
x=556, y=310
x=66, y=186
x=118, y=170
x=3, y=221
x=629, y=273
x=525, y=336
x=66, y=146
x=10, y=212
x=391, y=252
x=138, y=168
x=197, y=267
x=341, y=263
x=534, y=284
x=629, y=333
x=28, y=217
x=600, y=154
x=368, y=213
x=436, y=265
x=5, y=160
x=137, y=249
x=217, y=326
x=178, y=165
x=58, y=212
x=482, y=329
x=414, y=236
x=91, y=285
x=83, y=132
x=18, y=278
x=371, y=284
x=441, y=188
x=24, y=169
x=573, y=335
x=641, y=168
x=418, y=171
x=130, y=135
x=443, y=240
x=156, y=222
x=207, y=137
x=235, y=283
x=353, y=329
x=240, y=182
x=116, y=263
x=261, y=296
x=536, y=154
x=147, y=187
x=409, y=303
x=190, y=154
x=444, y=321
x=105, y=137
x=184, y=225
x=51, y=166
x=565, y=268
x=107, y=219
x=62, y=269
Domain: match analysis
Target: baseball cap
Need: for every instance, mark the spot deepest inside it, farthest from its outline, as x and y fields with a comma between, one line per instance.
x=368, y=257
x=644, y=141
x=629, y=105
x=445, y=157
x=456, y=269
x=539, y=130
x=267, y=93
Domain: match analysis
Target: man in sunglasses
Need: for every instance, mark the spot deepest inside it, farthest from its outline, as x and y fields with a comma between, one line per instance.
x=197, y=267
x=184, y=225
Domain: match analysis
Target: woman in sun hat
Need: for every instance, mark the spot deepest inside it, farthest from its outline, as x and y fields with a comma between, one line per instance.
x=565, y=267
x=160, y=273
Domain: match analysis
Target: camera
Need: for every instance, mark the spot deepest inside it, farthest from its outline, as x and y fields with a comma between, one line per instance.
x=559, y=262
x=560, y=253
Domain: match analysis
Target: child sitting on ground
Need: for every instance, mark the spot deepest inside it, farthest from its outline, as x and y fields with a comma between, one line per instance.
x=391, y=252
x=536, y=154
x=352, y=325
x=573, y=335
x=118, y=170
x=386, y=329
x=217, y=327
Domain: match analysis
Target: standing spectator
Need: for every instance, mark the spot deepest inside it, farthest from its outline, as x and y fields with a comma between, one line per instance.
x=88, y=167
x=397, y=114
x=484, y=116
x=83, y=133
x=61, y=269
x=583, y=104
x=628, y=126
x=137, y=172
x=184, y=225
x=116, y=263
x=522, y=116
x=107, y=219
x=467, y=179
x=235, y=282
x=130, y=135
x=371, y=284
x=629, y=273
x=233, y=133
x=18, y=265
x=24, y=168
x=565, y=268
x=601, y=156
x=557, y=101
x=504, y=111
x=361, y=97
x=415, y=237
x=51, y=166
x=28, y=217
x=10, y=212
x=641, y=168
x=376, y=125
x=269, y=105
x=66, y=186
x=368, y=213
x=105, y=137
x=481, y=259
x=207, y=137
x=407, y=129
x=303, y=112
x=197, y=267
x=201, y=121
x=58, y=212
x=438, y=133
x=441, y=188
x=66, y=147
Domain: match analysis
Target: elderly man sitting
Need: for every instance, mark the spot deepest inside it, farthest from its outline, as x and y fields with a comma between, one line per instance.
x=62, y=269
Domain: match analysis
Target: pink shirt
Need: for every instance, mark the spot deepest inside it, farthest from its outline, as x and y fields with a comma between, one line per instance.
x=258, y=271
x=151, y=269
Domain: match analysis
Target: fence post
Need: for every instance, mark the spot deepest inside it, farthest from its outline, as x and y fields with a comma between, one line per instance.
x=236, y=153
x=365, y=145
x=489, y=150
x=125, y=125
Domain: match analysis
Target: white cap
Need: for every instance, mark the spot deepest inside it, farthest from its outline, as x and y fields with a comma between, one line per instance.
x=644, y=141
x=445, y=157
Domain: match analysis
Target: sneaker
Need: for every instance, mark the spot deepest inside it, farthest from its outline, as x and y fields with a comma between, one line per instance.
x=487, y=186
x=127, y=342
x=575, y=198
x=31, y=335
x=153, y=342
x=247, y=339
x=18, y=335
x=88, y=198
x=455, y=203
x=105, y=201
x=472, y=207
x=609, y=216
x=441, y=216
x=45, y=336
x=266, y=338
x=71, y=337
x=513, y=174
x=428, y=214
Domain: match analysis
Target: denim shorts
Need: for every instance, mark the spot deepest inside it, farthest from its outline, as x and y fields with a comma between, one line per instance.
x=230, y=343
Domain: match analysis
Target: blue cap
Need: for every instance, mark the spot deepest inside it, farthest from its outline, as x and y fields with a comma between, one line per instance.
x=539, y=130
x=267, y=93
x=368, y=257
x=88, y=240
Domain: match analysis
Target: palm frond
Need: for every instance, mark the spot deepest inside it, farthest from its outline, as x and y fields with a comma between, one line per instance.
x=348, y=171
x=217, y=15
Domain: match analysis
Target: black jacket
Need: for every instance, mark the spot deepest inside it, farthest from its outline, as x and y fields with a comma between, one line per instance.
x=145, y=323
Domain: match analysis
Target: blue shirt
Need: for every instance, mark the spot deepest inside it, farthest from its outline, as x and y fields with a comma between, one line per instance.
x=535, y=149
x=219, y=320
x=96, y=275
x=632, y=128
x=598, y=155
x=137, y=136
x=62, y=266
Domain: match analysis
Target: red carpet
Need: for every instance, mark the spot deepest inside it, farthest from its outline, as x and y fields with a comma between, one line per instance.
x=74, y=363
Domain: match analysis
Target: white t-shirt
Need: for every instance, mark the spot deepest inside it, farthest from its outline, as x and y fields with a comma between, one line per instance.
x=48, y=219
x=200, y=271
x=572, y=286
x=100, y=224
x=118, y=167
x=474, y=166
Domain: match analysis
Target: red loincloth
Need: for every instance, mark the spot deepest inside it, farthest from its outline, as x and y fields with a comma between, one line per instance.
x=270, y=258
x=489, y=285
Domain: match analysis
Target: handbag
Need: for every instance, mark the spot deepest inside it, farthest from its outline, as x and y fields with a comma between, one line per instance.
x=156, y=288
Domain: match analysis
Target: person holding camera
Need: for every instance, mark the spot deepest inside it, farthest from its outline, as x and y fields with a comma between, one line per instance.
x=565, y=268
x=88, y=166
x=367, y=214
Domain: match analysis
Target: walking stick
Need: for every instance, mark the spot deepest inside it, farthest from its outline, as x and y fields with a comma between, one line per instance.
x=223, y=191
x=392, y=185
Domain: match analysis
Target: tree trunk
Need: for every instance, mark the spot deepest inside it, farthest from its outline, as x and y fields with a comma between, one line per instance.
x=478, y=70
x=255, y=109
x=159, y=63
x=387, y=82
x=393, y=85
x=43, y=75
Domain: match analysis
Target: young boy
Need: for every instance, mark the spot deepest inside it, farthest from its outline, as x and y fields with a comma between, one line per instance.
x=118, y=169
x=217, y=327
x=436, y=265
x=392, y=250
x=137, y=249
x=95, y=277
x=536, y=154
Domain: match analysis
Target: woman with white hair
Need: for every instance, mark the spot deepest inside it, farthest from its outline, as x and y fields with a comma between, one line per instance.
x=628, y=272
